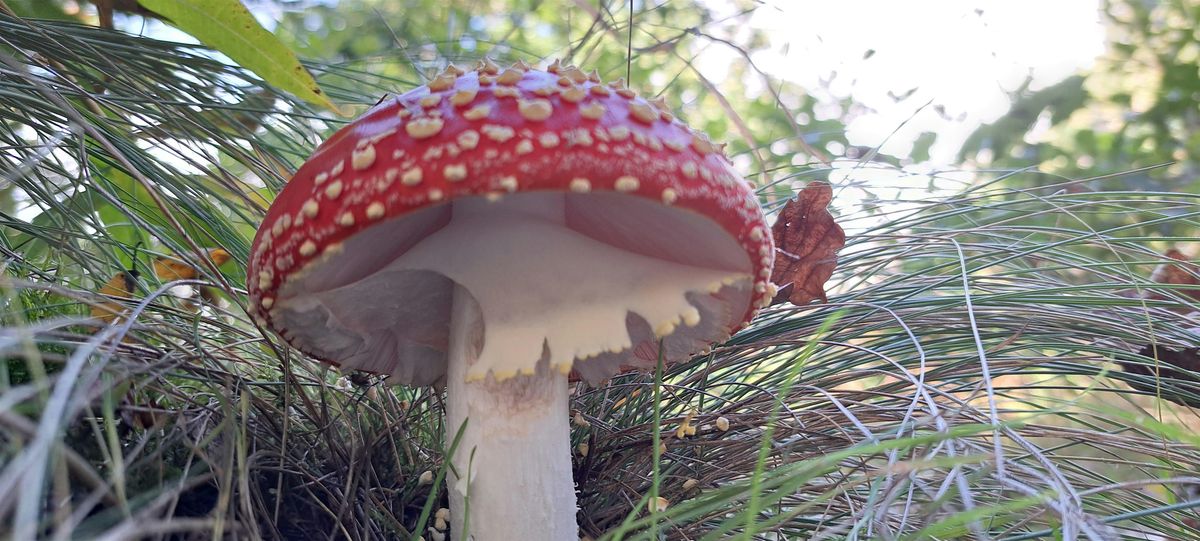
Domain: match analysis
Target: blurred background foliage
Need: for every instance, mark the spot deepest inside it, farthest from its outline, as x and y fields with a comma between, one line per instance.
x=1137, y=107
x=119, y=148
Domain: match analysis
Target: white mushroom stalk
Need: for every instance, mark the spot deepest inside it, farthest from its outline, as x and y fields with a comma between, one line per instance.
x=533, y=298
x=513, y=459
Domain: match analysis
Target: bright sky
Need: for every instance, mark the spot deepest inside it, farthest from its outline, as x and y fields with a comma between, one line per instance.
x=966, y=56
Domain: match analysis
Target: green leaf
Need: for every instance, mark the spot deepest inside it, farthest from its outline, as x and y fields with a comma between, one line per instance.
x=920, y=150
x=227, y=26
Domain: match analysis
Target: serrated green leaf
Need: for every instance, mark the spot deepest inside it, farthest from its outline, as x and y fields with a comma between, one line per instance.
x=227, y=26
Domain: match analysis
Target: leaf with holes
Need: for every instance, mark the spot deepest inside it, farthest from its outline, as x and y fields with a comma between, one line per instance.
x=807, y=240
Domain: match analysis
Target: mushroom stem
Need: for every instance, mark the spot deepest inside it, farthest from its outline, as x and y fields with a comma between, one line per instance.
x=516, y=444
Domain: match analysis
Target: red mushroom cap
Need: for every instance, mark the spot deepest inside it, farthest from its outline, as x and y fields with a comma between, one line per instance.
x=496, y=133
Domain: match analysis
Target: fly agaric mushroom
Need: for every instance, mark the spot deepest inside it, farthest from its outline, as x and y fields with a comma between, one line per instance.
x=498, y=229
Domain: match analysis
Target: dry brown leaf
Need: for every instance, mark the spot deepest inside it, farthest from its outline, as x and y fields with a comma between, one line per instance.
x=1184, y=273
x=168, y=268
x=807, y=240
x=105, y=9
x=1174, y=365
x=120, y=286
x=1179, y=365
